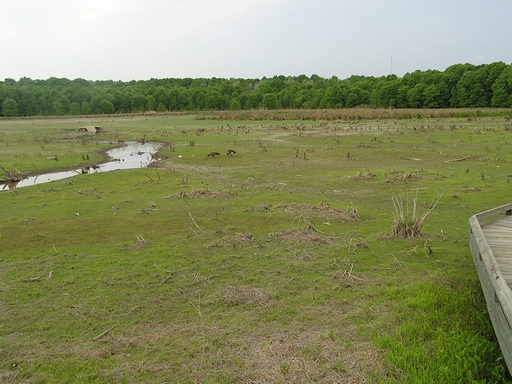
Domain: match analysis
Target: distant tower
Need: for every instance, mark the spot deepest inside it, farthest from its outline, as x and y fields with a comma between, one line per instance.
x=391, y=64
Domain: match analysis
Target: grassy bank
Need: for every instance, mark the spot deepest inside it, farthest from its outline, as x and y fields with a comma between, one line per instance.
x=276, y=264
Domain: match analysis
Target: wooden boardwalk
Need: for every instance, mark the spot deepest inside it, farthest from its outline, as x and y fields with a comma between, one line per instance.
x=490, y=240
x=498, y=234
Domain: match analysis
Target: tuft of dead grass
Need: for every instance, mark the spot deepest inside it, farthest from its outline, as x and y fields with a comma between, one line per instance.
x=407, y=176
x=365, y=175
x=204, y=193
x=308, y=234
x=323, y=210
x=245, y=295
x=240, y=238
x=140, y=242
x=403, y=177
x=408, y=222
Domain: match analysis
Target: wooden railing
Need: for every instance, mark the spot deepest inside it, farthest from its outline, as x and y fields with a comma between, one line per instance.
x=497, y=293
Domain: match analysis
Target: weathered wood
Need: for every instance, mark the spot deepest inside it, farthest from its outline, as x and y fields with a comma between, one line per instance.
x=498, y=234
x=463, y=158
x=491, y=246
x=493, y=212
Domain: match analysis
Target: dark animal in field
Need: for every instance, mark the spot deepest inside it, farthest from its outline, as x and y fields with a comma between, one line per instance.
x=212, y=154
x=230, y=152
x=86, y=169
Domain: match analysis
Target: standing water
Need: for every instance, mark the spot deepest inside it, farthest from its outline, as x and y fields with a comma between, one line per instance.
x=132, y=155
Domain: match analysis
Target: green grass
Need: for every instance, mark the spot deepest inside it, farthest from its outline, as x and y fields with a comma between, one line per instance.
x=207, y=271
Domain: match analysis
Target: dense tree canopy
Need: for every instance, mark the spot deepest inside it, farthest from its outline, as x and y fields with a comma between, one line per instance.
x=461, y=85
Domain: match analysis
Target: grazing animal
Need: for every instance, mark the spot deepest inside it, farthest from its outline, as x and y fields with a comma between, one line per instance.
x=230, y=152
x=213, y=154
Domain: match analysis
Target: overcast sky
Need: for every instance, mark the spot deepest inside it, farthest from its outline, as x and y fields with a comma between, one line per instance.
x=141, y=39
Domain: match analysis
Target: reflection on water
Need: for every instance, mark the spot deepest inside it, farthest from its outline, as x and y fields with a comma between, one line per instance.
x=132, y=155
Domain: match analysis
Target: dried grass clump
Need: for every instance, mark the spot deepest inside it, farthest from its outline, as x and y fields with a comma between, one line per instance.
x=240, y=238
x=140, y=242
x=202, y=193
x=309, y=234
x=323, y=210
x=365, y=175
x=408, y=223
x=407, y=176
x=245, y=295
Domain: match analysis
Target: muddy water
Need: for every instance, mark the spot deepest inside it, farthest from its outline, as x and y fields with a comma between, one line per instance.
x=132, y=155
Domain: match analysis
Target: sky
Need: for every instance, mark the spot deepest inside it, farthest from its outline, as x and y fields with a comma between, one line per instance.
x=143, y=39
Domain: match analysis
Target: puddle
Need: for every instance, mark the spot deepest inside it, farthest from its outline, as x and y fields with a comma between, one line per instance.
x=132, y=155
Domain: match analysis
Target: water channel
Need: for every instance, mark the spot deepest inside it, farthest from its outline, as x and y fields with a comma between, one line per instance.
x=130, y=156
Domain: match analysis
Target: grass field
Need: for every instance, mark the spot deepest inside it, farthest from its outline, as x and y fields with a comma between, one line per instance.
x=274, y=265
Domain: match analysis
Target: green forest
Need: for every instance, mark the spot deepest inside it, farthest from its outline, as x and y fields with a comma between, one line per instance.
x=460, y=85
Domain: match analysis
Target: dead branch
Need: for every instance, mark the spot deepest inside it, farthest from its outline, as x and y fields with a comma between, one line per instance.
x=347, y=275
x=96, y=338
x=193, y=221
x=32, y=279
x=463, y=159
x=167, y=278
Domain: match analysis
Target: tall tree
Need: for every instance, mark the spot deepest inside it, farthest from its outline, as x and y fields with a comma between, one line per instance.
x=9, y=107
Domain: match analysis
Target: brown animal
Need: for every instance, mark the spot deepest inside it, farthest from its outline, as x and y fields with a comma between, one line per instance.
x=230, y=152
x=212, y=154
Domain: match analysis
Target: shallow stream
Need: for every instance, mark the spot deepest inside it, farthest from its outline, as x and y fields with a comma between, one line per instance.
x=132, y=155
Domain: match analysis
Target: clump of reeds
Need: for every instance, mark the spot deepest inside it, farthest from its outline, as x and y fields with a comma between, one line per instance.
x=408, y=221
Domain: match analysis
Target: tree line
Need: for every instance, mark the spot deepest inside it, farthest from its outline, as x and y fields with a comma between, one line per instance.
x=460, y=85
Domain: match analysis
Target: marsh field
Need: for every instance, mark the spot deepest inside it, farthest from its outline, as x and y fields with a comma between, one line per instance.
x=276, y=264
